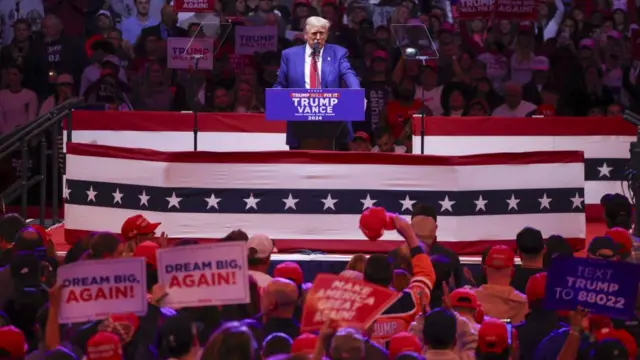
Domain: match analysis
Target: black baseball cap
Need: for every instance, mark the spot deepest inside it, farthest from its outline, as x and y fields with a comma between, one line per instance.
x=603, y=247
x=176, y=336
x=609, y=349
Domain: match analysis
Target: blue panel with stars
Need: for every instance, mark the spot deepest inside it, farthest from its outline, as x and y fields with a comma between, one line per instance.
x=321, y=201
x=605, y=169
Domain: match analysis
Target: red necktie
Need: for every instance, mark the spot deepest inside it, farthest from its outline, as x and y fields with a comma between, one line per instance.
x=313, y=73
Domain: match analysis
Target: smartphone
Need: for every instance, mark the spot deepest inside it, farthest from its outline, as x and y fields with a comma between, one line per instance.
x=508, y=323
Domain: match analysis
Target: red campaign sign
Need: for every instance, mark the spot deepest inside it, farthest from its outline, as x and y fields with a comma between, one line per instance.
x=347, y=301
x=194, y=5
x=635, y=44
x=521, y=10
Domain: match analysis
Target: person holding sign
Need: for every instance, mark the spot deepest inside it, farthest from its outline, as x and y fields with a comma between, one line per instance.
x=315, y=65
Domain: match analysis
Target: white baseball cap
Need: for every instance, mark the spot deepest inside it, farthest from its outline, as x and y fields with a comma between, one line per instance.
x=261, y=246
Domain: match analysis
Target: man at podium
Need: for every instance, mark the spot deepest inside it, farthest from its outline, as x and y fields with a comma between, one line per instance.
x=316, y=65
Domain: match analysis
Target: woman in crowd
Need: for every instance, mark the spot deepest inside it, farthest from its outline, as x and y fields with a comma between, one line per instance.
x=245, y=99
x=64, y=91
x=154, y=92
x=18, y=105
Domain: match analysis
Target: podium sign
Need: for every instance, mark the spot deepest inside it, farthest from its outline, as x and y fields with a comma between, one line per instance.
x=315, y=104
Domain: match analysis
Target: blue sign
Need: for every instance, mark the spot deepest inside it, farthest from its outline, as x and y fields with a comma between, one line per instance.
x=315, y=104
x=601, y=286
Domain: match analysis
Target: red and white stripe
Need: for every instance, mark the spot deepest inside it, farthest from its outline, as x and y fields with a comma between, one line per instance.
x=173, y=131
x=597, y=137
x=297, y=170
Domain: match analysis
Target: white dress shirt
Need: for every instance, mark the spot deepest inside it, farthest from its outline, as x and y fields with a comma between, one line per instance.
x=307, y=65
x=131, y=27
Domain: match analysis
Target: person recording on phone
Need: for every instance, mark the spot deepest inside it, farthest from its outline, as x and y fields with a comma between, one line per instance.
x=316, y=65
x=495, y=341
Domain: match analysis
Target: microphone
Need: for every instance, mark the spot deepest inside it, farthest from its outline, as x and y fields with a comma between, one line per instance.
x=197, y=57
x=315, y=51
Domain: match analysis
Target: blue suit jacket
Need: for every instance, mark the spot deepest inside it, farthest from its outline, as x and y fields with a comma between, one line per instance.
x=335, y=68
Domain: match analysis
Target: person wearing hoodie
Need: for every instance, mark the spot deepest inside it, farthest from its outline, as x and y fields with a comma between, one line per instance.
x=498, y=299
x=465, y=303
x=459, y=302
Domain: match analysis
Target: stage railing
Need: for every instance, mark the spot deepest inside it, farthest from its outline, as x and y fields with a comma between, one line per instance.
x=36, y=143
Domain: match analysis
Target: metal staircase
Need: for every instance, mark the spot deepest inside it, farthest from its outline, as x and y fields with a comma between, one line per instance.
x=34, y=152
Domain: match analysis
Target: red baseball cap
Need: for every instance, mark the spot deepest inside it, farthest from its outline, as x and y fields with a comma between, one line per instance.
x=535, y=286
x=525, y=27
x=362, y=135
x=137, y=225
x=546, y=110
x=402, y=342
x=104, y=346
x=493, y=336
x=622, y=238
x=372, y=222
x=13, y=341
x=305, y=343
x=464, y=298
x=289, y=270
x=147, y=250
x=500, y=257
x=597, y=322
x=380, y=54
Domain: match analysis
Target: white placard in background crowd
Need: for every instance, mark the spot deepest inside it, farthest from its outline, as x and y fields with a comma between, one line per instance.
x=95, y=289
x=183, y=52
x=253, y=39
x=293, y=35
x=202, y=275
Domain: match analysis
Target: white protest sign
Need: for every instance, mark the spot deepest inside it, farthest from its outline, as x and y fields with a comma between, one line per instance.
x=252, y=39
x=95, y=289
x=293, y=35
x=183, y=52
x=203, y=275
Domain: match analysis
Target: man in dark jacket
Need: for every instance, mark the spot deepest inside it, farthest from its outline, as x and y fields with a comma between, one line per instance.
x=168, y=26
x=539, y=322
x=530, y=247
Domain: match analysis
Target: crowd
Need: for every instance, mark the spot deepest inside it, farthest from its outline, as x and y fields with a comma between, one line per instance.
x=575, y=59
x=443, y=312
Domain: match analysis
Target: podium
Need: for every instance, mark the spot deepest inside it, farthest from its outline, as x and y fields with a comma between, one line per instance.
x=318, y=118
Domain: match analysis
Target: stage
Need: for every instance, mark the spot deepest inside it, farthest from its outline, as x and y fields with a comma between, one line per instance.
x=602, y=144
